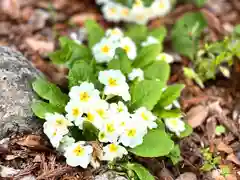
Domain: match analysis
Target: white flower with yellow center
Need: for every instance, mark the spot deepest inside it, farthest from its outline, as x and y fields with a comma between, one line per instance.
x=139, y=14
x=124, y=13
x=93, y=117
x=161, y=7
x=115, y=83
x=142, y=115
x=136, y=73
x=114, y=34
x=113, y=151
x=149, y=41
x=54, y=134
x=118, y=108
x=111, y=11
x=101, y=108
x=109, y=132
x=175, y=125
x=85, y=94
x=133, y=134
x=165, y=57
x=57, y=121
x=104, y=51
x=78, y=154
x=129, y=47
x=65, y=142
x=74, y=110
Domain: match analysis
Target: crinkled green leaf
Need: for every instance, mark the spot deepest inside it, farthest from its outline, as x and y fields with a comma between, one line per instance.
x=50, y=92
x=81, y=71
x=175, y=155
x=95, y=32
x=159, y=33
x=186, y=32
x=170, y=94
x=137, y=33
x=163, y=113
x=207, y=167
x=188, y=131
x=155, y=144
x=220, y=130
x=157, y=70
x=145, y=93
x=40, y=108
x=121, y=62
x=141, y=171
x=147, y=55
x=200, y=3
x=90, y=132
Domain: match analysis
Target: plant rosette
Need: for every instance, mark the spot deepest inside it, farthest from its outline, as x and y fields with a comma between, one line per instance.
x=118, y=102
x=135, y=11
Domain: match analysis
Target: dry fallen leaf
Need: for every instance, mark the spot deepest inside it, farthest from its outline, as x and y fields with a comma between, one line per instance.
x=187, y=176
x=197, y=115
x=7, y=172
x=81, y=18
x=43, y=47
x=233, y=158
x=224, y=148
x=11, y=8
x=32, y=141
x=231, y=177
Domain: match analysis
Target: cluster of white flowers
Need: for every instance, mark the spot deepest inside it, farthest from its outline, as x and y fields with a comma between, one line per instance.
x=140, y=14
x=104, y=51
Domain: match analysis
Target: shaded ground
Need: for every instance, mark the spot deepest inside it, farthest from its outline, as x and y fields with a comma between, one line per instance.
x=33, y=28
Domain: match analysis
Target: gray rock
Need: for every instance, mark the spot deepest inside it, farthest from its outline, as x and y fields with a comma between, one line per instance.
x=109, y=175
x=16, y=95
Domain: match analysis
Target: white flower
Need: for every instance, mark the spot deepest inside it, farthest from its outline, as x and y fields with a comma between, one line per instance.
x=65, y=142
x=57, y=121
x=102, y=1
x=101, y=107
x=150, y=40
x=115, y=83
x=111, y=11
x=113, y=151
x=104, y=51
x=133, y=134
x=109, y=132
x=175, y=125
x=120, y=107
x=85, y=94
x=124, y=13
x=54, y=134
x=161, y=7
x=114, y=34
x=129, y=46
x=165, y=57
x=74, y=37
x=94, y=118
x=142, y=115
x=136, y=73
x=74, y=110
x=79, y=154
x=139, y=15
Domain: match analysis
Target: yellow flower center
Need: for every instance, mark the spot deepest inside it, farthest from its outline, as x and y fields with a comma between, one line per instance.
x=140, y=17
x=113, y=148
x=105, y=49
x=54, y=133
x=131, y=132
x=110, y=128
x=123, y=123
x=161, y=5
x=79, y=151
x=101, y=112
x=138, y=3
x=90, y=117
x=75, y=111
x=84, y=96
x=143, y=115
x=174, y=123
x=112, y=82
x=112, y=10
x=125, y=12
x=126, y=48
x=59, y=121
x=120, y=109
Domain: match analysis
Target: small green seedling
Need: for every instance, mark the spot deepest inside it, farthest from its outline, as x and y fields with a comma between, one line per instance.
x=210, y=161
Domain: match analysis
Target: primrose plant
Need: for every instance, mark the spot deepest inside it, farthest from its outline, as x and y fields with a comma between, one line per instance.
x=118, y=102
x=136, y=11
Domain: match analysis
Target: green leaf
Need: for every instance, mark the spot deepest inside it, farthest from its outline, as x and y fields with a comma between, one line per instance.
x=170, y=94
x=147, y=3
x=147, y=55
x=207, y=167
x=158, y=70
x=80, y=71
x=121, y=62
x=145, y=93
x=155, y=144
x=200, y=3
x=95, y=32
x=50, y=92
x=159, y=33
x=90, y=132
x=175, y=155
x=191, y=74
x=220, y=130
x=127, y=3
x=40, y=108
x=141, y=171
x=237, y=29
x=163, y=113
x=186, y=33
x=188, y=131
x=137, y=33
